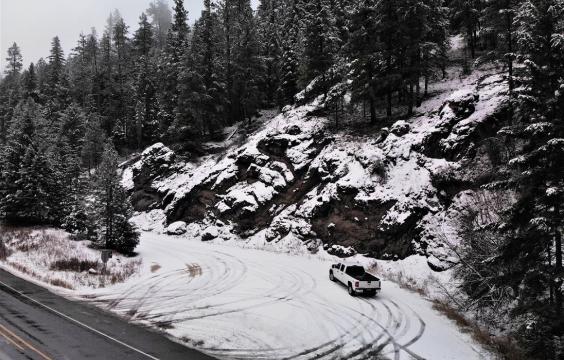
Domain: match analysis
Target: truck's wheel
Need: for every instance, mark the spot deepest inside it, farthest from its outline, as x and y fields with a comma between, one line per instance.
x=331, y=277
x=351, y=290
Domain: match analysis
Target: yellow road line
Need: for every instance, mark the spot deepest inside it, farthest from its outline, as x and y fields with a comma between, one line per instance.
x=45, y=357
x=12, y=341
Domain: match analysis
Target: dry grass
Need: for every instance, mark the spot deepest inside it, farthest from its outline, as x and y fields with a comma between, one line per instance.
x=50, y=256
x=503, y=347
x=74, y=264
x=194, y=270
x=155, y=268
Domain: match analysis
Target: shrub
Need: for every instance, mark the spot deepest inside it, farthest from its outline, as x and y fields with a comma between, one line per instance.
x=74, y=264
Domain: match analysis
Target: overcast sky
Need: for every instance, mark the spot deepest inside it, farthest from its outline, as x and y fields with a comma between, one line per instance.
x=33, y=23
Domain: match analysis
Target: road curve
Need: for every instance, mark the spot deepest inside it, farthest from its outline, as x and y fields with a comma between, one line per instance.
x=39, y=325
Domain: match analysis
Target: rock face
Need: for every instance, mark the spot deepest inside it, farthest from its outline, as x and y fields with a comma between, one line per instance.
x=378, y=195
x=156, y=162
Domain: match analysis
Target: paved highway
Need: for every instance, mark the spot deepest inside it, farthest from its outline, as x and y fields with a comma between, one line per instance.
x=38, y=325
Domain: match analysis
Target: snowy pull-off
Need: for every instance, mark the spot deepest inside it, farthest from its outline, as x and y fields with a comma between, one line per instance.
x=238, y=303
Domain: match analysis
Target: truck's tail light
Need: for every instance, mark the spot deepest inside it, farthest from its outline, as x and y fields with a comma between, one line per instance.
x=356, y=284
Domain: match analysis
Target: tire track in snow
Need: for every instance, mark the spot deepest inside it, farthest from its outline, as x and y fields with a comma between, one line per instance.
x=237, y=306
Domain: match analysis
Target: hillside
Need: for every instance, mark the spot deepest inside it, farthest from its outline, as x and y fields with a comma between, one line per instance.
x=393, y=193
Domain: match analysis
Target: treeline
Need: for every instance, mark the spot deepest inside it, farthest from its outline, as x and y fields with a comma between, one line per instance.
x=512, y=268
x=168, y=81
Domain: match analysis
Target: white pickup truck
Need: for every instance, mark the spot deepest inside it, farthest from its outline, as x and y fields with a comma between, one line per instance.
x=357, y=280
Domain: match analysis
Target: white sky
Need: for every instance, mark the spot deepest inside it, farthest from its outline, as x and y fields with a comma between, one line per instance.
x=33, y=23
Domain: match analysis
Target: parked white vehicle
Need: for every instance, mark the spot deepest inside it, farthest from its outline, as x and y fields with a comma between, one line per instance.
x=356, y=279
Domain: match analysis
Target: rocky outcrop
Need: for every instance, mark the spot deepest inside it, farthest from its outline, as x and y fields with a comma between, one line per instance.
x=294, y=179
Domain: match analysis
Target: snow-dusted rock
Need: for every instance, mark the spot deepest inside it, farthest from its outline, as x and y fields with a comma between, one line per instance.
x=400, y=128
x=210, y=233
x=176, y=228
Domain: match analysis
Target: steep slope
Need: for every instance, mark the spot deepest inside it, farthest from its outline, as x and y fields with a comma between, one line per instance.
x=390, y=194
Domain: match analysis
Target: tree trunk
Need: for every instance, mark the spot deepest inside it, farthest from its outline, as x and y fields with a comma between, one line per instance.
x=558, y=261
x=418, y=92
x=472, y=44
x=336, y=115
x=372, y=111
x=389, y=105
x=426, y=86
x=410, y=99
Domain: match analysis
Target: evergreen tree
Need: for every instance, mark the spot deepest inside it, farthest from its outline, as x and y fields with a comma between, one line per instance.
x=112, y=206
x=321, y=39
x=29, y=83
x=171, y=65
x=10, y=90
x=498, y=25
x=93, y=145
x=290, y=54
x=56, y=63
x=123, y=105
x=161, y=19
x=146, y=103
x=240, y=60
x=14, y=61
x=364, y=46
x=27, y=178
x=465, y=15
x=270, y=26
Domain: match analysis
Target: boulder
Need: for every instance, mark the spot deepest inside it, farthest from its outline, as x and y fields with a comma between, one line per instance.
x=177, y=228
x=210, y=233
x=400, y=128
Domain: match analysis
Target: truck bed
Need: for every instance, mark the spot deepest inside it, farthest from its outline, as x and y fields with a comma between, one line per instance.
x=366, y=277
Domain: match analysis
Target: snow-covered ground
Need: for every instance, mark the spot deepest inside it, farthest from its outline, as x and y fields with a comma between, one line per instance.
x=236, y=303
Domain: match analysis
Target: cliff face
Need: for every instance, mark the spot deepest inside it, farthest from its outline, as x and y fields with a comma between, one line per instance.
x=390, y=194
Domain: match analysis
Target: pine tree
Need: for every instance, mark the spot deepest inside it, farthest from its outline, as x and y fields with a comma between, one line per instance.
x=29, y=83
x=10, y=90
x=27, y=178
x=94, y=139
x=240, y=60
x=171, y=65
x=123, y=105
x=80, y=78
x=107, y=84
x=320, y=40
x=465, y=15
x=246, y=65
x=113, y=208
x=14, y=61
x=498, y=25
x=200, y=108
x=290, y=56
x=367, y=53
x=56, y=87
x=161, y=19
x=91, y=54
x=270, y=26
x=146, y=103
x=56, y=63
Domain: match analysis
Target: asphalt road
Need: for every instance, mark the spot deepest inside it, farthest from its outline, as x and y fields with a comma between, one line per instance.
x=38, y=325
